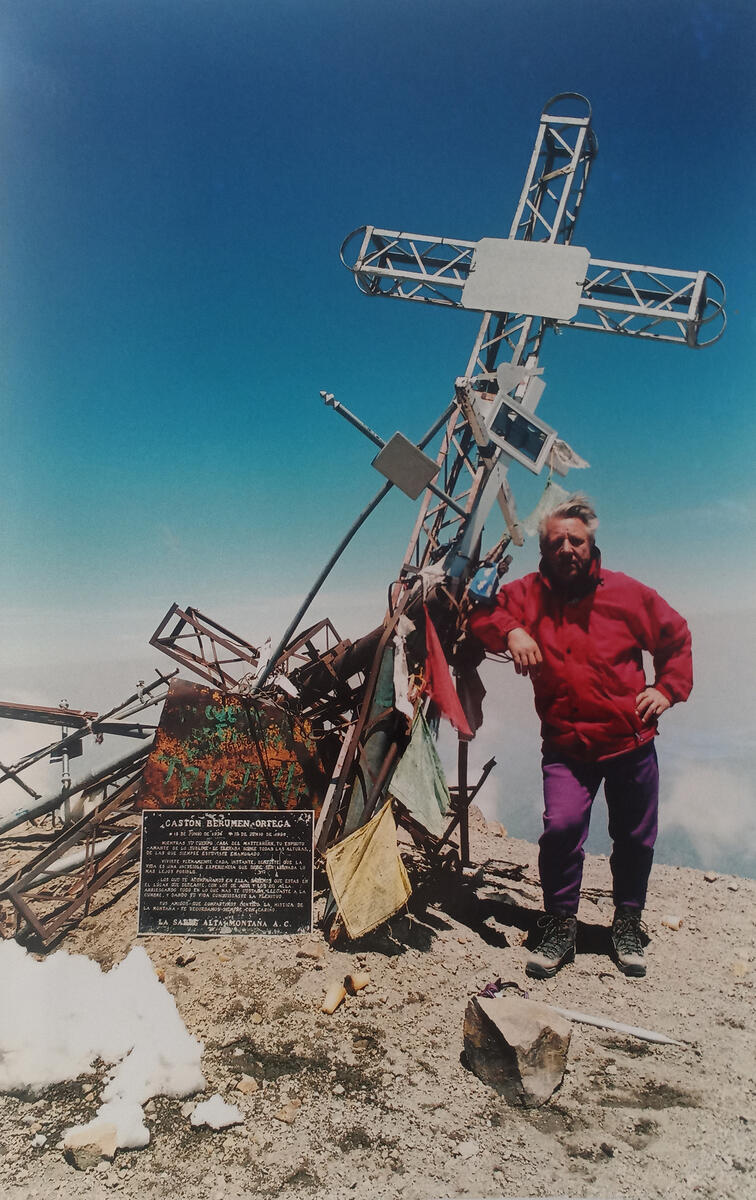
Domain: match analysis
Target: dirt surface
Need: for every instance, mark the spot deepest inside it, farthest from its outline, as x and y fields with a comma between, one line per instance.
x=387, y=1107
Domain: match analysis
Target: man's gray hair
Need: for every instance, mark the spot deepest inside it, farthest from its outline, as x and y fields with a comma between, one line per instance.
x=578, y=506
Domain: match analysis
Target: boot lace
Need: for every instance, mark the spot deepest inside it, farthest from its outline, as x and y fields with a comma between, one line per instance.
x=556, y=931
x=627, y=931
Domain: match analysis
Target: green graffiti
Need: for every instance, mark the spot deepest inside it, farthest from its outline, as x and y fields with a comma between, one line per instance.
x=219, y=788
x=224, y=720
x=284, y=790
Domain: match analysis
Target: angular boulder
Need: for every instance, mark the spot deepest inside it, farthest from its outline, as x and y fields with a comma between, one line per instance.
x=85, y=1145
x=518, y=1047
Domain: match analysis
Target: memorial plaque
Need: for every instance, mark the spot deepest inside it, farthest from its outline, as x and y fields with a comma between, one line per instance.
x=206, y=872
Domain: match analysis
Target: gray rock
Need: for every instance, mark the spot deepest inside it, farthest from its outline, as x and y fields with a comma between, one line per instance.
x=518, y=1047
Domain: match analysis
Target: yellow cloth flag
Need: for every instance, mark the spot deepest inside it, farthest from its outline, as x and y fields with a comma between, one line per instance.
x=367, y=876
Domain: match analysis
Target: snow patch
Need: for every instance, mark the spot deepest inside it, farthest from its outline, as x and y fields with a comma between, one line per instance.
x=58, y=1016
x=216, y=1113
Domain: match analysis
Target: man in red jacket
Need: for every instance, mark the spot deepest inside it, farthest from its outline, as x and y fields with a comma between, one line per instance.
x=579, y=631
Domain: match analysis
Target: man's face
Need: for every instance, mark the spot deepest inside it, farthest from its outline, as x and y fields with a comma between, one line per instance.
x=567, y=548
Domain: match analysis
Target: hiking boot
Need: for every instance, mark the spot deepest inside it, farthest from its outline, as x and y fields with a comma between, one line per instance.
x=556, y=947
x=627, y=941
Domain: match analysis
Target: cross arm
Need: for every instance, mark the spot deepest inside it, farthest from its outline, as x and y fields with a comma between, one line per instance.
x=686, y=307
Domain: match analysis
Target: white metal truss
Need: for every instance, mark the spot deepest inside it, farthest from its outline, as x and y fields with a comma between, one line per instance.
x=547, y=210
x=621, y=298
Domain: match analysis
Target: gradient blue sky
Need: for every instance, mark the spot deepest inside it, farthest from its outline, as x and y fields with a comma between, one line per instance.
x=177, y=178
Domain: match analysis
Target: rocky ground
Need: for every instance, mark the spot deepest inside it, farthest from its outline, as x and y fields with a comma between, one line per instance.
x=376, y=1100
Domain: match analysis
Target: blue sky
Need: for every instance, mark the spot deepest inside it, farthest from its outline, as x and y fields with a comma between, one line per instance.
x=177, y=180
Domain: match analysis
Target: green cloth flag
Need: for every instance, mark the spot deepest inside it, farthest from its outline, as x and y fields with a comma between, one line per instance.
x=419, y=783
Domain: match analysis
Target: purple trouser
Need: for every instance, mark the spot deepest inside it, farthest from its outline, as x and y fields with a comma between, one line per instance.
x=631, y=787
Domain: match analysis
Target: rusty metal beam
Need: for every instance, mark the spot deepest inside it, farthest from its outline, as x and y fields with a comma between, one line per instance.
x=43, y=715
x=22, y=888
x=111, y=772
x=220, y=657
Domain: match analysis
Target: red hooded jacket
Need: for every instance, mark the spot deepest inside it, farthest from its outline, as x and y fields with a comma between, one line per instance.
x=592, y=668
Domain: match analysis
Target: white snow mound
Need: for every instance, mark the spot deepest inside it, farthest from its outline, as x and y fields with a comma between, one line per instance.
x=216, y=1113
x=59, y=1015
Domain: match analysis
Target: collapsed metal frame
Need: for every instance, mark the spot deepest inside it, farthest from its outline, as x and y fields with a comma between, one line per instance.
x=46, y=881
x=218, y=649
x=114, y=721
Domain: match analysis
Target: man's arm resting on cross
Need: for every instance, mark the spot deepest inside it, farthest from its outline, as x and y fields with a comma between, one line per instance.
x=525, y=651
x=500, y=627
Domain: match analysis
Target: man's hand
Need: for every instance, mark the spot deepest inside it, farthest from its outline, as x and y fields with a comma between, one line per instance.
x=650, y=705
x=526, y=654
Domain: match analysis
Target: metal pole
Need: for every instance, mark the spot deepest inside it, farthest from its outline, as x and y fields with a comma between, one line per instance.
x=463, y=802
x=291, y=627
x=333, y=403
x=47, y=804
x=65, y=769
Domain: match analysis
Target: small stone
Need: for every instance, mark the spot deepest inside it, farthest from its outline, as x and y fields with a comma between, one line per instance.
x=356, y=981
x=238, y=1052
x=732, y=887
x=338, y=1090
x=466, y=1150
x=333, y=998
x=39, y=1139
x=247, y=1085
x=611, y=1069
x=86, y=1146
x=188, y=1108
x=256, y=1018
x=672, y=922
x=185, y=956
x=289, y=1113
x=711, y=876
x=312, y=950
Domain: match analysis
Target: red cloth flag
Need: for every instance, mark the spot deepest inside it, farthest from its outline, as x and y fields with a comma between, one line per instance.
x=439, y=683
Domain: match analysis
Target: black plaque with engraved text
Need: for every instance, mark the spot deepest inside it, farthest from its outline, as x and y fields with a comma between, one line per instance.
x=210, y=872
